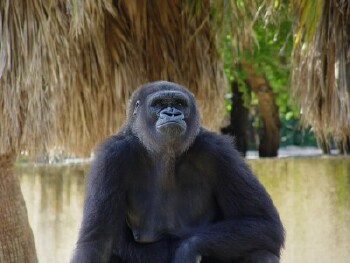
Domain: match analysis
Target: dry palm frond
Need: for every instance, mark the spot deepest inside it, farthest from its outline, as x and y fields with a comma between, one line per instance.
x=321, y=73
x=67, y=68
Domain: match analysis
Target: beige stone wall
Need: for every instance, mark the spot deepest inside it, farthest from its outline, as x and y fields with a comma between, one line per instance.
x=311, y=194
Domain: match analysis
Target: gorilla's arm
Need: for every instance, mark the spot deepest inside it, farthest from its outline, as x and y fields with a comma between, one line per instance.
x=104, y=204
x=251, y=222
x=104, y=227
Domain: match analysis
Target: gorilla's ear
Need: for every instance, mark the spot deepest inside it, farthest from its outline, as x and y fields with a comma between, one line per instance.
x=137, y=105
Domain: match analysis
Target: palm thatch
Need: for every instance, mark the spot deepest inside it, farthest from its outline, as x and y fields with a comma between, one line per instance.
x=321, y=73
x=67, y=68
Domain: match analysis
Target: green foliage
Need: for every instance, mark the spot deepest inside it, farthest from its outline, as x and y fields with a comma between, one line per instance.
x=271, y=57
x=293, y=133
x=270, y=54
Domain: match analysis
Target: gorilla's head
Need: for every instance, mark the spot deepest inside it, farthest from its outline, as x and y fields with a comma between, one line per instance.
x=164, y=116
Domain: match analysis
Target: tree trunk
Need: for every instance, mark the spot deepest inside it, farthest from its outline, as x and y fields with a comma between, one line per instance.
x=269, y=140
x=238, y=120
x=269, y=137
x=323, y=143
x=16, y=236
x=344, y=145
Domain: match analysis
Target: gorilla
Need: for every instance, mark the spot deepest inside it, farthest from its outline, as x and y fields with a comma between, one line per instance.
x=164, y=189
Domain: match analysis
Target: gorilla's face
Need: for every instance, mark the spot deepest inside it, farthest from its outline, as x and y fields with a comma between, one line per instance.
x=165, y=117
x=169, y=110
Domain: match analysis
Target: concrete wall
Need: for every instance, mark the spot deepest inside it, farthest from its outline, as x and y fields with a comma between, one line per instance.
x=311, y=194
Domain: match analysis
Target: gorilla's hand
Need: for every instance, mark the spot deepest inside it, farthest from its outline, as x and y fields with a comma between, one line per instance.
x=186, y=253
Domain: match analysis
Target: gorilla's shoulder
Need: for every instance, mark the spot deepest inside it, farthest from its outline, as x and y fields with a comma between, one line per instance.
x=120, y=143
x=212, y=141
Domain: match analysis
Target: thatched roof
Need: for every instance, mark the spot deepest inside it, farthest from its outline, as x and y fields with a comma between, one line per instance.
x=321, y=73
x=67, y=68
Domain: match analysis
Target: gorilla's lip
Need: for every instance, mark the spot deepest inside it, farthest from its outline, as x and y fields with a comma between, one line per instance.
x=171, y=128
x=170, y=123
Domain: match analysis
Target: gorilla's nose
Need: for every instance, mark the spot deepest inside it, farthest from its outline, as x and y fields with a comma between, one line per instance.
x=171, y=112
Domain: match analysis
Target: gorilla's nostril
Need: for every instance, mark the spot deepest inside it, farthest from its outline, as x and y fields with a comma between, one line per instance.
x=171, y=112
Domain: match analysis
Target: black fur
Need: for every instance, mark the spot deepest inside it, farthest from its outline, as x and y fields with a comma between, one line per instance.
x=157, y=198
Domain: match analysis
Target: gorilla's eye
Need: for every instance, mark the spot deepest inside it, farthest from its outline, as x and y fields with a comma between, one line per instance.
x=180, y=103
x=158, y=103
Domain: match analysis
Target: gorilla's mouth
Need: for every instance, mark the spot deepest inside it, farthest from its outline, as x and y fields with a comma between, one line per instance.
x=171, y=127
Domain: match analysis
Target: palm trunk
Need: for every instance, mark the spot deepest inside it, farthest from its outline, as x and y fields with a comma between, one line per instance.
x=16, y=236
x=238, y=126
x=344, y=145
x=269, y=138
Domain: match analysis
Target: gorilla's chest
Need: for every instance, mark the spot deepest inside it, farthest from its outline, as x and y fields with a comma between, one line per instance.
x=168, y=200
